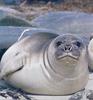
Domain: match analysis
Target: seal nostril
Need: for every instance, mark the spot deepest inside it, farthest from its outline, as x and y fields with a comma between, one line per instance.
x=67, y=48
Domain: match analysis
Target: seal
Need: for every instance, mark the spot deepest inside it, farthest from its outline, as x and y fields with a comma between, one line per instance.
x=90, y=53
x=47, y=64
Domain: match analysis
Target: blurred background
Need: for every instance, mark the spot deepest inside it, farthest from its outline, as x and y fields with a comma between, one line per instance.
x=33, y=8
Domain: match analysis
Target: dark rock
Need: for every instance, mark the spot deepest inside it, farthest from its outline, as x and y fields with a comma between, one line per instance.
x=2, y=51
x=77, y=96
x=3, y=95
x=90, y=95
x=14, y=94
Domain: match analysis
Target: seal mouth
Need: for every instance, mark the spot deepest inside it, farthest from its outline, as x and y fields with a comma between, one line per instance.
x=67, y=55
x=68, y=61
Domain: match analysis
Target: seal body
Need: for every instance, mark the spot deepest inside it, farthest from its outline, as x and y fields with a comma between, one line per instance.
x=45, y=65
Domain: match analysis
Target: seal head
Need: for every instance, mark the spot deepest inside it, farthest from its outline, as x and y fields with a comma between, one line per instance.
x=65, y=53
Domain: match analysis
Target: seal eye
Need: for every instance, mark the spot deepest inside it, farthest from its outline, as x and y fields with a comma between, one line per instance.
x=58, y=43
x=78, y=44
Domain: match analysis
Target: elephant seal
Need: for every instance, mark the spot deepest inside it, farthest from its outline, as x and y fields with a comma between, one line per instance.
x=47, y=64
x=90, y=53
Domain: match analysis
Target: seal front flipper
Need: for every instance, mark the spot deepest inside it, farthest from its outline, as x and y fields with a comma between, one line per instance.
x=17, y=63
x=13, y=66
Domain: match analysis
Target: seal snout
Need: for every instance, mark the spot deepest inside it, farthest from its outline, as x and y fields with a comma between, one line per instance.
x=65, y=50
x=64, y=47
